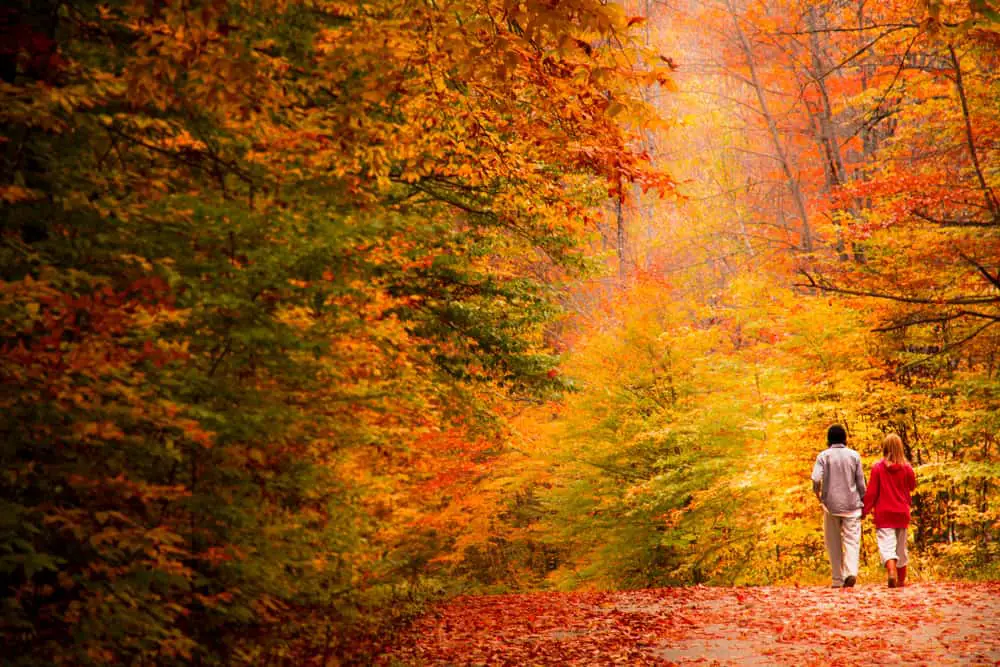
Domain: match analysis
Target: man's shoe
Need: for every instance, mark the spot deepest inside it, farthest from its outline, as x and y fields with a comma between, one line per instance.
x=849, y=582
x=890, y=566
x=901, y=576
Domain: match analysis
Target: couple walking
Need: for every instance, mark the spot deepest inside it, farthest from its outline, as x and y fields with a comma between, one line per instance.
x=839, y=483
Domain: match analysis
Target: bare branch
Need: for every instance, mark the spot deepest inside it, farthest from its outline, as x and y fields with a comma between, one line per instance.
x=941, y=319
x=874, y=26
x=993, y=280
x=949, y=347
x=951, y=222
x=991, y=199
x=859, y=52
x=954, y=301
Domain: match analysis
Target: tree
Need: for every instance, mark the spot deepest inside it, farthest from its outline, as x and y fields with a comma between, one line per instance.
x=254, y=256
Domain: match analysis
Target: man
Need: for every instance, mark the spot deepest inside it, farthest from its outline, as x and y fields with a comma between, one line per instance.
x=839, y=483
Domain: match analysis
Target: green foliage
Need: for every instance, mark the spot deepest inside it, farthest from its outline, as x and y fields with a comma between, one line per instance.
x=252, y=260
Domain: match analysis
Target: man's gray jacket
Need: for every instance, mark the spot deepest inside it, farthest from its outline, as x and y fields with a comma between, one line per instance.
x=841, y=480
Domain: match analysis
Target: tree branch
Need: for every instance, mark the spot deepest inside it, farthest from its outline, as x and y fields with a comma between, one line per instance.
x=993, y=280
x=991, y=200
x=951, y=222
x=949, y=347
x=936, y=320
x=955, y=301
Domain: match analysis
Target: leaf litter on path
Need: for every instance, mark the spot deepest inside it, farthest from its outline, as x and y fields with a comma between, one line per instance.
x=926, y=623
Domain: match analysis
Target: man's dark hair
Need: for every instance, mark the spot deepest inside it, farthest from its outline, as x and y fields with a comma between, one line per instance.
x=836, y=435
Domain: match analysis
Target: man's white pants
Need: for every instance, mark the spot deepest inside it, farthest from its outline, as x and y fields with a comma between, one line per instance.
x=892, y=544
x=843, y=544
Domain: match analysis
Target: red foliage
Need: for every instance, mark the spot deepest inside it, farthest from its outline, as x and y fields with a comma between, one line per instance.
x=868, y=625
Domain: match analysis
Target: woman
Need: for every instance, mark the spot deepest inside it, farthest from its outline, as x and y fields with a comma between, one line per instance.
x=888, y=495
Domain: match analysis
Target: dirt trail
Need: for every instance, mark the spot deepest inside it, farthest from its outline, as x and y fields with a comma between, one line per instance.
x=929, y=624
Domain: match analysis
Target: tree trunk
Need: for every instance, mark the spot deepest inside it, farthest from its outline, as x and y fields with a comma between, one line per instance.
x=772, y=126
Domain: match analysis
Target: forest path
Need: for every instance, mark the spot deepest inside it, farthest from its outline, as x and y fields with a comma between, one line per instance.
x=925, y=623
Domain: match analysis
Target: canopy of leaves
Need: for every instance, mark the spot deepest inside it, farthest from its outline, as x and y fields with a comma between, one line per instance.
x=256, y=259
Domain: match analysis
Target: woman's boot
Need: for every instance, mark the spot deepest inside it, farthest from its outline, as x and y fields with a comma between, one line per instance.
x=901, y=576
x=890, y=566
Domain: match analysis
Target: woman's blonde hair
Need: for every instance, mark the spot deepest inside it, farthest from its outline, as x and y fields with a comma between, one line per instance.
x=892, y=449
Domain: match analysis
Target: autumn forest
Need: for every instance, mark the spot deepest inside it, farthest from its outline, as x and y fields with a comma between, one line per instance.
x=316, y=313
